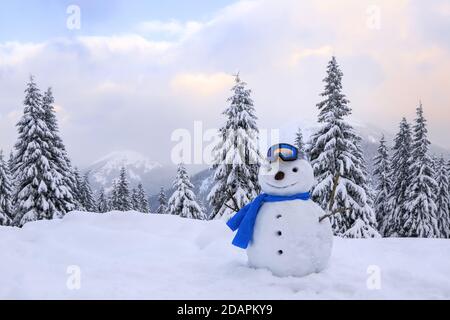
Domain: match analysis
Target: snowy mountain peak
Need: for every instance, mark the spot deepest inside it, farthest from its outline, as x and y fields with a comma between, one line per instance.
x=127, y=158
x=106, y=169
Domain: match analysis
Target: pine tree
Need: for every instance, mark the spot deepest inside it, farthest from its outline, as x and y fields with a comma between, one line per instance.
x=339, y=165
x=88, y=200
x=41, y=192
x=11, y=162
x=235, y=181
x=102, y=202
x=448, y=170
x=400, y=179
x=434, y=162
x=162, y=209
x=123, y=192
x=5, y=193
x=365, y=224
x=183, y=201
x=142, y=199
x=112, y=198
x=134, y=200
x=419, y=218
x=299, y=143
x=382, y=171
x=78, y=190
x=203, y=209
x=11, y=178
x=59, y=153
x=443, y=198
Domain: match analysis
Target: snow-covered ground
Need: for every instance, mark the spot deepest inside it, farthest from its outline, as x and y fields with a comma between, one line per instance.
x=137, y=256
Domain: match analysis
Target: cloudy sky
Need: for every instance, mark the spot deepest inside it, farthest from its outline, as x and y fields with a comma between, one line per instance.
x=137, y=70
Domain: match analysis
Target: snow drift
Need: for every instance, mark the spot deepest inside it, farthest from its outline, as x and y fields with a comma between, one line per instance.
x=137, y=256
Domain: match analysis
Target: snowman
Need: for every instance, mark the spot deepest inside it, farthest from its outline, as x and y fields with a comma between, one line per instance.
x=281, y=228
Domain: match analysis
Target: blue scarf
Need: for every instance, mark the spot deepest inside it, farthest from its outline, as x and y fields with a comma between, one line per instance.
x=245, y=219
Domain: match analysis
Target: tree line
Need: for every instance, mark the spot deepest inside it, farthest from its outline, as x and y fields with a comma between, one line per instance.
x=412, y=189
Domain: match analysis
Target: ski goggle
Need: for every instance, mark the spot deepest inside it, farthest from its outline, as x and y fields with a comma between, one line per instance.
x=284, y=151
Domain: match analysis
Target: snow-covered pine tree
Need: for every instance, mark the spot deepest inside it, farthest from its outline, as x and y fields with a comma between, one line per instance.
x=365, y=225
x=40, y=189
x=400, y=179
x=11, y=162
x=203, y=208
x=88, y=199
x=434, y=162
x=448, y=170
x=11, y=173
x=237, y=159
x=162, y=199
x=183, y=201
x=5, y=193
x=59, y=154
x=102, y=202
x=382, y=167
x=123, y=192
x=299, y=143
x=134, y=200
x=339, y=165
x=142, y=199
x=78, y=190
x=443, y=197
x=419, y=218
x=113, y=201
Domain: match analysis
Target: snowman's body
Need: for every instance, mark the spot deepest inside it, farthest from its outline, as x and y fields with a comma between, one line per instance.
x=288, y=238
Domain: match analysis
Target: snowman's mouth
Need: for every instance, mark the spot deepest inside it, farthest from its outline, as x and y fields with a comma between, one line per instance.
x=282, y=187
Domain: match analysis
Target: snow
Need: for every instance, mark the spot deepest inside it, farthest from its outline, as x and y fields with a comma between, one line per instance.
x=138, y=256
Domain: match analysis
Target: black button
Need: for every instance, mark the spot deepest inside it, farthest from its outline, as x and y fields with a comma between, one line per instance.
x=279, y=233
x=279, y=216
x=280, y=252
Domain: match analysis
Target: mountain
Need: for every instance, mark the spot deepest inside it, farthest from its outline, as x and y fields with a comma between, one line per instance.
x=139, y=168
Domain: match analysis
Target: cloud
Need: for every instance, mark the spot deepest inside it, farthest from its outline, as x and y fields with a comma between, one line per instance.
x=443, y=9
x=300, y=54
x=171, y=28
x=15, y=53
x=62, y=114
x=109, y=87
x=201, y=85
x=129, y=45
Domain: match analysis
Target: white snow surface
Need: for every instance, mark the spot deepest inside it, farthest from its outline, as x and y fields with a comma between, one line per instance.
x=137, y=256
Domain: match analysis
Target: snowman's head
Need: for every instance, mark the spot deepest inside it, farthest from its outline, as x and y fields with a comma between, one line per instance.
x=286, y=172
